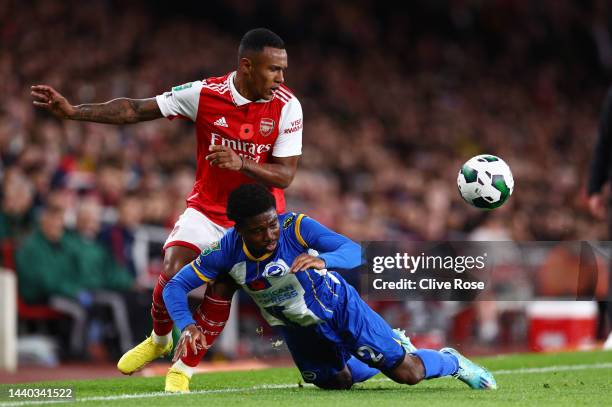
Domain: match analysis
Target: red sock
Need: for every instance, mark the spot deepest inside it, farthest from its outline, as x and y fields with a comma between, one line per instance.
x=211, y=317
x=162, y=323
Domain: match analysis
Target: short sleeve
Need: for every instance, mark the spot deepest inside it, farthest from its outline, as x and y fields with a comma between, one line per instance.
x=289, y=141
x=181, y=101
x=209, y=264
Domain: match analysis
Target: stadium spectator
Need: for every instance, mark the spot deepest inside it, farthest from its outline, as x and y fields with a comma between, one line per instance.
x=99, y=275
x=48, y=274
x=16, y=214
x=118, y=237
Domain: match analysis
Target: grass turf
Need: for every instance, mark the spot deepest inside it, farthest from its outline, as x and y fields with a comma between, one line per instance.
x=581, y=378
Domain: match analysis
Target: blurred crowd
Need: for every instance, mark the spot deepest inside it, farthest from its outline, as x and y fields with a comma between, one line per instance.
x=395, y=99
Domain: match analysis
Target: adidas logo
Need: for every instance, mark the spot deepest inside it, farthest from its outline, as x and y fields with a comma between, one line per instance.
x=221, y=122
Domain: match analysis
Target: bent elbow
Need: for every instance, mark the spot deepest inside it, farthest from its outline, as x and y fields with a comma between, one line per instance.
x=283, y=184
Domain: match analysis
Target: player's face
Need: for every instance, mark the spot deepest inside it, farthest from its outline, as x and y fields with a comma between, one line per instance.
x=267, y=72
x=261, y=233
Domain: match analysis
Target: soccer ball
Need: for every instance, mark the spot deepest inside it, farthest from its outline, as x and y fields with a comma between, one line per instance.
x=485, y=181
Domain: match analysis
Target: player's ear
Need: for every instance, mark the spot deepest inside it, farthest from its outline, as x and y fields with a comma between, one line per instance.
x=245, y=65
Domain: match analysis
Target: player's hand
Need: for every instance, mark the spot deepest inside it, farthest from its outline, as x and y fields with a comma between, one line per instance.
x=306, y=261
x=224, y=157
x=597, y=206
x=192, y=339
x=51, y=100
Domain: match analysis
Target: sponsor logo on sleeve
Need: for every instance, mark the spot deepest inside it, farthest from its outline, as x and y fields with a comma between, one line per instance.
x=288, y=221
x=182, y=87
x=211, y=248
x=294, y=126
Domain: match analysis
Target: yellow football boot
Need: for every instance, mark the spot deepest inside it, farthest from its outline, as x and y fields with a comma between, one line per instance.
x=177, y=381
x=145, y=352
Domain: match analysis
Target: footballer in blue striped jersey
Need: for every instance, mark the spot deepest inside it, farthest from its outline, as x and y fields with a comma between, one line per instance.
x=285, y=263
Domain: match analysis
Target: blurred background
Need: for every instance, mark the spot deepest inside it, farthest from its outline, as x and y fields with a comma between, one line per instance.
x=395, y=98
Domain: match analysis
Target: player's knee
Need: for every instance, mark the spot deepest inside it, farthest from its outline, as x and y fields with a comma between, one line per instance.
x=170, y=268
x=411, y=371
x=342, y=381
x=175, y=258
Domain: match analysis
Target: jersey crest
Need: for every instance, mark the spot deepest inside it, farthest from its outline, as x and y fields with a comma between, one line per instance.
x=266, y=126
x=276, y=269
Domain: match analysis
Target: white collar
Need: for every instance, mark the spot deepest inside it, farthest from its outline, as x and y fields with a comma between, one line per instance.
x=238, y=98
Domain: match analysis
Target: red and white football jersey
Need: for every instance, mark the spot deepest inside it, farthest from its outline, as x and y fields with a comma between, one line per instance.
x=255, y=130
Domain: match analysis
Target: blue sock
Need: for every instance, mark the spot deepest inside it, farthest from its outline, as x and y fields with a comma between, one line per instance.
x=360, y=371
x=437, y=364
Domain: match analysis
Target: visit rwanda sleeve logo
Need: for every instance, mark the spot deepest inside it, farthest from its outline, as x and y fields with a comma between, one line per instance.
x=211, y=248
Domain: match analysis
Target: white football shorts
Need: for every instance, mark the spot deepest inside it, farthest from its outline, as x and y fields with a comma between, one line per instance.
x=195, y=231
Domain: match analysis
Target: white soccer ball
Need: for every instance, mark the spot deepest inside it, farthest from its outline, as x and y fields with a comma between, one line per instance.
x=485, y=181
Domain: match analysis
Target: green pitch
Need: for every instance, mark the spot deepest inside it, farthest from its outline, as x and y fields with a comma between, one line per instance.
x=570, y=379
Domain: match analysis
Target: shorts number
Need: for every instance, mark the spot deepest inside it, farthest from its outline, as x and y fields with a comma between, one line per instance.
x=363, y=350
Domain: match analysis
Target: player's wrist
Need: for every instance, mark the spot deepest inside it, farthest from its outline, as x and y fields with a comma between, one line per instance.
x=186, y=327
x=241, y=163
x=74, y=112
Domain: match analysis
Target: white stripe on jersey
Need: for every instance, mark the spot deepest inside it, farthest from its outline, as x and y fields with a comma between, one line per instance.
x=287, y=91
x=282, y=96
x=220, y=88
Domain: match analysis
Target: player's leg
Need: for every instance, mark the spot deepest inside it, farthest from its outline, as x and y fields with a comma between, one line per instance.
x=160, y=341
x=210, y=316
x=388, y=350
x=192, y=233
x=322, y=362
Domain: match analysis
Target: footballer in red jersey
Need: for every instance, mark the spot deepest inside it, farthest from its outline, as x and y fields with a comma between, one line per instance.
x=249, y=130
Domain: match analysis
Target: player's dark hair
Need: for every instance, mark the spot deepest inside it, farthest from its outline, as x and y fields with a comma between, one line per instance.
x=249, y=200
x=257, y=39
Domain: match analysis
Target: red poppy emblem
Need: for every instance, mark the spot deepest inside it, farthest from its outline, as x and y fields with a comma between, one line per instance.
x=246, y=131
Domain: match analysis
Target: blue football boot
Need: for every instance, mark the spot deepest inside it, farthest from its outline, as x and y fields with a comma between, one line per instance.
x=404, y=340
x=471, y=374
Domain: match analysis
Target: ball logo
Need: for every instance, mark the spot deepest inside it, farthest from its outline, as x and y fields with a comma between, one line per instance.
x=275, y=269
x=266, y=126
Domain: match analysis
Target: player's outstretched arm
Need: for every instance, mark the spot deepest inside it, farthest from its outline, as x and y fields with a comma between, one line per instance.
x=116, y=111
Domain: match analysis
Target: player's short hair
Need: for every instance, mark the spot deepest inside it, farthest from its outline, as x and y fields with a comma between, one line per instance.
x=249, y=200
x=257, y=39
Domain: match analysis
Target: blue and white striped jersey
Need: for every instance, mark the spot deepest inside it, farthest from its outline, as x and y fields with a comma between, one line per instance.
x=284, y=298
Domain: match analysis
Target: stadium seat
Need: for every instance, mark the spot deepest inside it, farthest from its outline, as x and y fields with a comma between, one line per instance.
x=26, y=311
